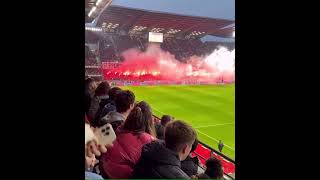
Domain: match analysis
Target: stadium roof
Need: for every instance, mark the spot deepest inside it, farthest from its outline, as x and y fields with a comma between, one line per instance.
x=143, y=21
x=220, y=9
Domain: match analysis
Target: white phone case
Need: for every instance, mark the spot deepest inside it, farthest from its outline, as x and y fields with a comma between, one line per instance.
x=106, y=134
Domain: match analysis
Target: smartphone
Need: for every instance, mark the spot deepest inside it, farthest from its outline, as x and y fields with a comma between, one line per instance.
x=105, y=134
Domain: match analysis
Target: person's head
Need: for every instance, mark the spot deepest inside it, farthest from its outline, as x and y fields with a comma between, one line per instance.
x=179, y=137
x=90, y=84
x=124, y=101
x=102, y=89
x=214, y=168
x=113, y=93
x=165, y=119
x=140, y=119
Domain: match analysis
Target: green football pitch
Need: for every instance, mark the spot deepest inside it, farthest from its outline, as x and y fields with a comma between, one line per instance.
x=209, y=109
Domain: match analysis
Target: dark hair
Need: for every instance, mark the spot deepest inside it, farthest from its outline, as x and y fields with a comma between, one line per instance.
x=214, y=168
x=194, y=145
x=123, y=100
x=102, y=89
x=87, y=82
x=165, y=119
x=113, y=93
x=177, y=134
x=140, y=119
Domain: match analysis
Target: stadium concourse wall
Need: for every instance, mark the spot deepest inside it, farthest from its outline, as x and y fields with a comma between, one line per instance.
x=204, y=152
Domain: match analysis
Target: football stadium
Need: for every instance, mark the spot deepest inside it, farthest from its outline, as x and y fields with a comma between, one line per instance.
x=174, y=64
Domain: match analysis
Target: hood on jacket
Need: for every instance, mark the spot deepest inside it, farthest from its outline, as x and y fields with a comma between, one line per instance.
x=157, y=153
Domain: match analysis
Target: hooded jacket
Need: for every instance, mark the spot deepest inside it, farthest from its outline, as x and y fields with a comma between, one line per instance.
x=157, y=161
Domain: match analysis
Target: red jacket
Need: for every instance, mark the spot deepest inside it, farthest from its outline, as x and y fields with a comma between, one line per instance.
x=119, y=161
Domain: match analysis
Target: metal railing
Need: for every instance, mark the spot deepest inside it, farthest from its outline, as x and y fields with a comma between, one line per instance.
x=226, y=176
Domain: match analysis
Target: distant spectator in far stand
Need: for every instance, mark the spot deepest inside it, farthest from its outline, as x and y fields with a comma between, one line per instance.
x=160, y=126
x=214, y=170
x=90, y=86
x=106, y=106
x=100, y=93
x=190, y=164
x=220, y=146
x=163, y=159
x=137, y=130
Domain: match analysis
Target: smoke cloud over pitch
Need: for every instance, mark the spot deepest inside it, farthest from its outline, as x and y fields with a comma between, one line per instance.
x=157, y=64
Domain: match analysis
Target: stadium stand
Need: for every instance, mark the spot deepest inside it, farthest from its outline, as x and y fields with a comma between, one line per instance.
x=202, y=152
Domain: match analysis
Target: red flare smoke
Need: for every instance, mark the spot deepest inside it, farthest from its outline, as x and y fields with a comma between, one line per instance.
x=155, y=64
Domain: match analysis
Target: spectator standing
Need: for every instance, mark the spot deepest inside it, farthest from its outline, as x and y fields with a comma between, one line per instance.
x=160, y=126
x=137, y=130
x=220, y=146
x=106, y=106
x=100, y=93
x=163, y=159
x=125, y=102
x=90, y=86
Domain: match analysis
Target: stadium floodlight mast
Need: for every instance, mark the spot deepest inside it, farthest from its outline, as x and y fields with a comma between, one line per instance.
x=98, y=2
x=92, y=10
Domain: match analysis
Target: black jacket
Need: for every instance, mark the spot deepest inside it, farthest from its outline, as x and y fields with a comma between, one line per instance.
x=190, y=165
x=159, y=131
x=157, y=161
x=203, y=176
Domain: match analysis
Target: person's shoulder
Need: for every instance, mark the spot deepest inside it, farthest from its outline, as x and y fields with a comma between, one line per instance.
x=180, y=174
x=203, y=176
x=168, y=171
x=146, y=137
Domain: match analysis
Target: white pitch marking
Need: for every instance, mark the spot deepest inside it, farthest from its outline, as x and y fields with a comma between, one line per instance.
x=215, y=139
x=205, y=126
x=214, y=125
x=158, y=110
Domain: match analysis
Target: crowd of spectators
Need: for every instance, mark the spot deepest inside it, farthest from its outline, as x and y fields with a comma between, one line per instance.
x=144, y=147
x=182, y=49
x=91, y=62
x=93, y=71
